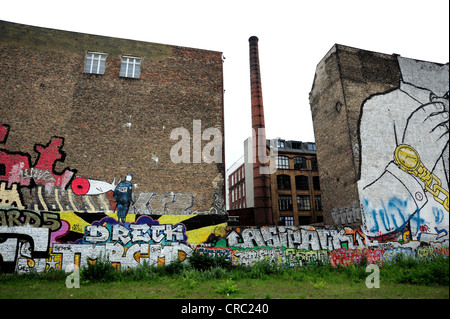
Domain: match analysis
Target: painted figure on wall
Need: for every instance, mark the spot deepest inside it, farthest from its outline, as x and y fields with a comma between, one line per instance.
x=123, y=197
x=404, y=141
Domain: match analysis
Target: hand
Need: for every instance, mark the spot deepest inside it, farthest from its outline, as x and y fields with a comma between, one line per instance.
x=427, y=131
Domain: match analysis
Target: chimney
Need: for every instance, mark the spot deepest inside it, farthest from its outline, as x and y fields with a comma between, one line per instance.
x=261, y=182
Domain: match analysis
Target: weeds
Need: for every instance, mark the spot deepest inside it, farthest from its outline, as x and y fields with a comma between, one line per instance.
x=227, y=288
x=199, y=268
x=264, y=268
x=408, y=270
x=206, y=262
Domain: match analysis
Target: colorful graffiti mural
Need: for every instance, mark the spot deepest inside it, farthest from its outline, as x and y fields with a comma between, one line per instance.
x=51, y=219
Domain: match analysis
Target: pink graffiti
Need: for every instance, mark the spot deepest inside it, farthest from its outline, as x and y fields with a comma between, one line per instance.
x=48, y=156
x=12, y=163
x=15, y=167
x=62, y=231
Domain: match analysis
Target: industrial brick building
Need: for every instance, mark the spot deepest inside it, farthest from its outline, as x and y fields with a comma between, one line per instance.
x=294, y=185
x=90, y=110
x=381, y=129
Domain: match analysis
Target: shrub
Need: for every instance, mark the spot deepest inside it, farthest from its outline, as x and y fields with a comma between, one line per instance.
x=265, y=268
x=142, y=272
x=215, y=273
x=205, y=262
x=408, y=270
x=227, y=288
x=174, y=268
x=100, y=271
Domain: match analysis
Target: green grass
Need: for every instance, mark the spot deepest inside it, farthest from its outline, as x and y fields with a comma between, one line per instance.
x=404, y=278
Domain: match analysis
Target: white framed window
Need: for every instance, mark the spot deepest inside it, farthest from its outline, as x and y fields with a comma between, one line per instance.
x=284, y=202
x=131, y=67
x=282, y=162
x=303, y=202
x=95, y=63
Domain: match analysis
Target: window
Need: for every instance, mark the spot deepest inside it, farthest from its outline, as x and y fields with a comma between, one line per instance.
x=318, y=201
x=284, y=182
x=316, y=183
x=297, y=145
x=311, y=146
x=285, y=202
x=286, y=221
x=304, y=220
x=314, y=165
x=280, y=144
x=303, y=202
x=300, y=162
x=301, y=183
x=131, y=67
x=95, y=63
x=282, y=162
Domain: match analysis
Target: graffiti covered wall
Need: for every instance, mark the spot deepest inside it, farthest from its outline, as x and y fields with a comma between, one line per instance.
x=298, y=246
x=53, y=220
x=44, y=241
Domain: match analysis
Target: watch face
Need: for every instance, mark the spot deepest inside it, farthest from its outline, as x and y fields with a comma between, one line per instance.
x=407, y=157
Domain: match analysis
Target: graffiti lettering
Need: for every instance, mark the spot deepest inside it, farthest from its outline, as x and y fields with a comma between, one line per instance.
x=13, y=217
x=301, y=237
x=144, y=230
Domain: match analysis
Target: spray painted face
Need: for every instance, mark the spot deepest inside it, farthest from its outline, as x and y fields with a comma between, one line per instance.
x=129, y=178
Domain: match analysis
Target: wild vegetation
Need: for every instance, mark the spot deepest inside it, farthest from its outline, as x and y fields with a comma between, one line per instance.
x=206, y=277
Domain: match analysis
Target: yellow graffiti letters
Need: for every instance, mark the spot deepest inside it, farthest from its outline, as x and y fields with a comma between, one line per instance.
x=15, y=217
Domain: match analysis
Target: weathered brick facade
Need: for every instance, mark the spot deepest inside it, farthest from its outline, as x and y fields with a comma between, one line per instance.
x=112, y=125
x=345, y=77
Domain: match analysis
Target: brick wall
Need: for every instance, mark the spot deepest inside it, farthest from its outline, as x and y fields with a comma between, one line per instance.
x=110, y=125
x=345, y=77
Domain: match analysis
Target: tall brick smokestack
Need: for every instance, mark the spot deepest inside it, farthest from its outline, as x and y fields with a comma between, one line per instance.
x=261, y=182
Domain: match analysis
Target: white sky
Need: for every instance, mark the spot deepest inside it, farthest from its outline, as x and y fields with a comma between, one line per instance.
x=293, y=37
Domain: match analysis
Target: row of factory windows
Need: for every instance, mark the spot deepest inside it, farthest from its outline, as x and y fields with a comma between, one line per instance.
x=300, y=163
